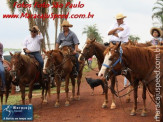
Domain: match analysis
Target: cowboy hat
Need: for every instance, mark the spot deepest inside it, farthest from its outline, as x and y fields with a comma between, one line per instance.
x=66, y=23
x=120, y=16
x=158, y=30
x=34, y=28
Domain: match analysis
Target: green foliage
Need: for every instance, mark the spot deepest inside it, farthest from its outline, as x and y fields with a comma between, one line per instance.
x=134, y=38
x=92, y=33
x=158, y=12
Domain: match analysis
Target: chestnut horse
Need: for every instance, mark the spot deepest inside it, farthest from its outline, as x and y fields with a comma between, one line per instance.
x=59, y=62
x=8, y=79
x=142, y=62
x=25, y=71
x=91, y=48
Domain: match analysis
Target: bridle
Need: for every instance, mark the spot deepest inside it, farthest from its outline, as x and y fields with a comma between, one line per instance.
x=119, y=60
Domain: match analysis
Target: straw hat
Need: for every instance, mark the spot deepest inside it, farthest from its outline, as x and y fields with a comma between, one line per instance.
x=66, y=23
x=158, y=30
x=34, y=28
x=120, y=16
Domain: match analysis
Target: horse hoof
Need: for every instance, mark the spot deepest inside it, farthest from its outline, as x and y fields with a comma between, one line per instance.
x=143, y=114
x=128, y=100
x=45, y=101
x=67, y=103
x=104, y=105
x=132, y=113
x=72, y=98
x=113, y=106
x=56, y=105
x=78, y=97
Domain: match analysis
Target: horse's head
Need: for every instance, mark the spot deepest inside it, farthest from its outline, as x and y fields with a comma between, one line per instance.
x=88, y=50
x=52, y=58
x=113, y=56
x=16, y=64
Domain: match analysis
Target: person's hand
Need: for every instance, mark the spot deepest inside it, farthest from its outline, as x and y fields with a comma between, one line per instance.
x=74, y=52
x=27, y=51
x=120, y=28
x=78, y=50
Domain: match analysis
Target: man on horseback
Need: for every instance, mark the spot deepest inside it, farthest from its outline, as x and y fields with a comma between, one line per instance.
x=32, y=45
x=2, y=70
x=119, y=32
x=69, y=38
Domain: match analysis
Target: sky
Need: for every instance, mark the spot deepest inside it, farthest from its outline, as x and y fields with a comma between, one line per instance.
x=138, y=12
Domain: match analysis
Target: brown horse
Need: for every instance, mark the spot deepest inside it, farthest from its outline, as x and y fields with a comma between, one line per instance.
x=59, y=62
x=142, y=62
x=25, y=71
x=8, y=78
x=91, y=48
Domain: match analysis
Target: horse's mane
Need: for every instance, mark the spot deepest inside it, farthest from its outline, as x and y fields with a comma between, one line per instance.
x=25, y=58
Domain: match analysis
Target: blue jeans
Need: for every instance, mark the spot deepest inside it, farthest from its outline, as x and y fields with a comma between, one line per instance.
x=77, y=63
x=2, y=74
x=38, y=57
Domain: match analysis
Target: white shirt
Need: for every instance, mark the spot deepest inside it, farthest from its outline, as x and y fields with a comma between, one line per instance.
x=122, y=35
x=33, y=44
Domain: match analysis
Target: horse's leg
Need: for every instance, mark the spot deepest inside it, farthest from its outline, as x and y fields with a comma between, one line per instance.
x=58, y=82
x=7, y=94
x=105, y=104
x=67, y=103
x=1, y=94
x=113, y=106
x=144, y=112
x=78, y=82
x=30, y=93
x=22, y=89
x=133, y=112
x=73, y=88
x=128, y=94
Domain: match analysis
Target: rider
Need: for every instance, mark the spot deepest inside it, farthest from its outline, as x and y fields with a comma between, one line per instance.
x=2, y=70
x=69, y=38
x=119, y=33
x=32, y=45
x=156, y=33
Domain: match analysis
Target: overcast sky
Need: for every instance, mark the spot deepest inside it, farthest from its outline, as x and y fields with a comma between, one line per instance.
x=138, y=12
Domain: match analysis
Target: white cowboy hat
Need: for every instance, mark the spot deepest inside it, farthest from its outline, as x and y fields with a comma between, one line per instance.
x=120, y=16
x=66, y=23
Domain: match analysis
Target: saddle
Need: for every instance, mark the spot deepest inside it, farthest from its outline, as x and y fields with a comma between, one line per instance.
x=34, y=61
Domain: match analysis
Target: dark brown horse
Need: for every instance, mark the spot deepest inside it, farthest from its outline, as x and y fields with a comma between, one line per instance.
x=59, y=62
x=8, y=78
x=142, y=62
x=24, y=70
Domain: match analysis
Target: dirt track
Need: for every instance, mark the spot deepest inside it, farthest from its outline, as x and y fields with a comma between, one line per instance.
x=88, y=109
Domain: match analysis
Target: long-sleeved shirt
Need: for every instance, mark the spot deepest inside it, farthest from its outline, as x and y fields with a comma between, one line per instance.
x=33, y=44
x=122, y=35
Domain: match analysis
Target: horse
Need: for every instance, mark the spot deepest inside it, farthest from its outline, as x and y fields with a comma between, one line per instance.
x=141, y=61
x=60, y=64
x=8, y=78
x=25, y=70
x=91, y=48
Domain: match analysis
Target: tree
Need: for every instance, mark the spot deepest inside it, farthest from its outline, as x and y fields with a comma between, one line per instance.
x=92, y=33
x=134, y=38
x=41, y=23
x=158, y=12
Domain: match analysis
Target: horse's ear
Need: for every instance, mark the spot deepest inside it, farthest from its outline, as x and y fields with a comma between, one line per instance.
x=11, y=54
x=111, y=44
x=19, y=54
x=119, y=45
